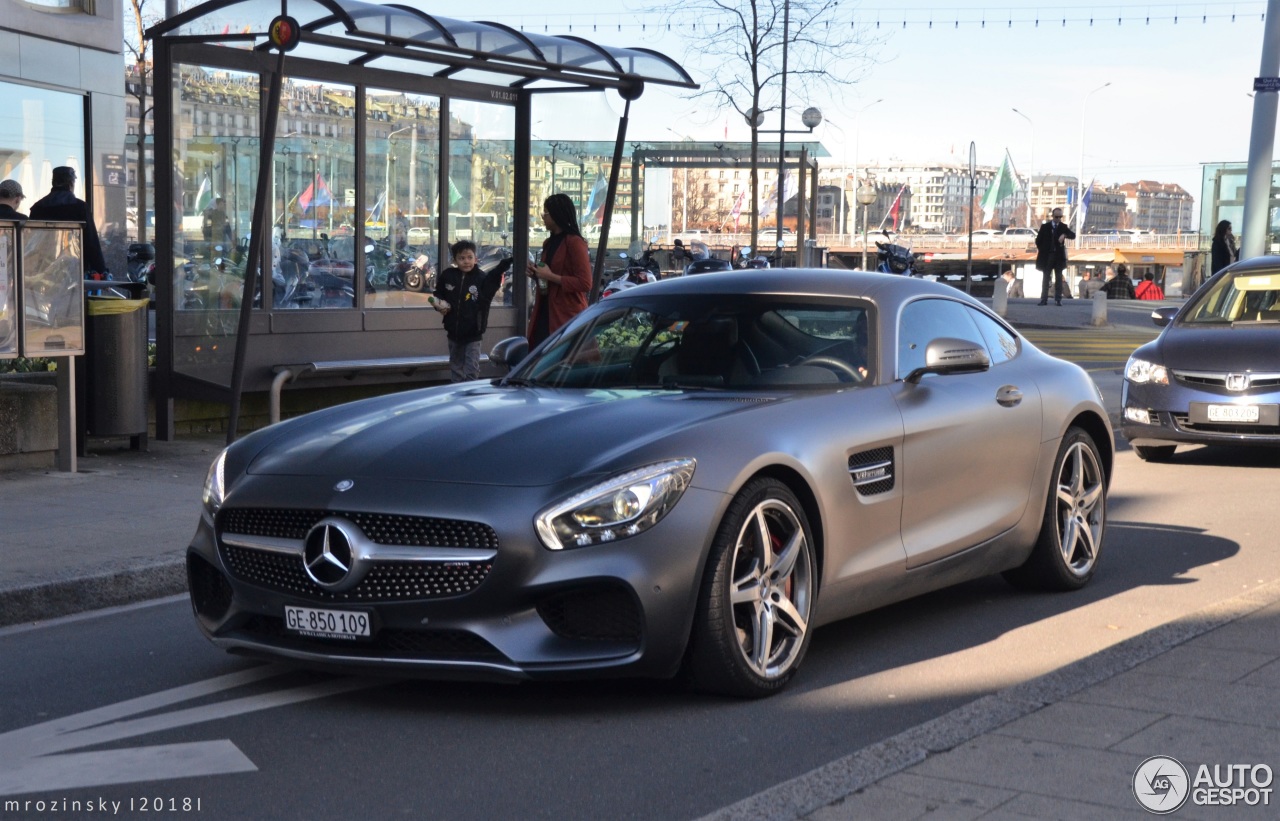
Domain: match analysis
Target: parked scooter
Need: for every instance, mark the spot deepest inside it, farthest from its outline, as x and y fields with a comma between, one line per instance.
x=746, y=260
x=634, y=274
x=894, y=259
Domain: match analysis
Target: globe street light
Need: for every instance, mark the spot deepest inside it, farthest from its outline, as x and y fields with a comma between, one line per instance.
x=1080, y=185
x=1031, y=173
x=866, y=195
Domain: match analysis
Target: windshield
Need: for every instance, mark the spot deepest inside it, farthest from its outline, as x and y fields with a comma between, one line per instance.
x=1237, y=298
x=736, y=342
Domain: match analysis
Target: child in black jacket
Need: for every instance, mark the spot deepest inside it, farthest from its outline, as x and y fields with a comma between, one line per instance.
x=463, y=294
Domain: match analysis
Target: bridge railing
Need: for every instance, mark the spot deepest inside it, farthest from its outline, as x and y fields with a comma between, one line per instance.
x=960, y=242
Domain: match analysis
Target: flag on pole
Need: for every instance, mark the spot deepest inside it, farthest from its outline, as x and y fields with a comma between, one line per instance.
x=375, y=213
x=204, y=195
x=736, y=213
x=788, y=191
x=894, y=210
x=595, y=203
x=1001, y=188
x=454, y=193
x=316, y=195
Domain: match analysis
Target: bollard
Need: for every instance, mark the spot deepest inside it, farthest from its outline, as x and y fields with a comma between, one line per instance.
x=1099, y=317
x=1000, y=297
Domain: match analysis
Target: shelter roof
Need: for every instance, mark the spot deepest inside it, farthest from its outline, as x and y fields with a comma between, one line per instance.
x=403, y=37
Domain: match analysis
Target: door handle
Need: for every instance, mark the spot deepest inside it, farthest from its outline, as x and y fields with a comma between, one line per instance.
x=1009, y=396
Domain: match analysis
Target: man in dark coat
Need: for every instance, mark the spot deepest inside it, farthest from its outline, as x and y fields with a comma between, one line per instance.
x=1051, y=254
x=61, y=204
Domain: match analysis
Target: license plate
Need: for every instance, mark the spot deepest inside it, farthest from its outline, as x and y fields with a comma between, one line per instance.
x=1233, y=413
x=327, y=624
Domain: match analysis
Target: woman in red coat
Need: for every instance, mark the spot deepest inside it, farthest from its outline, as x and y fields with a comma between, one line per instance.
x=563, y=272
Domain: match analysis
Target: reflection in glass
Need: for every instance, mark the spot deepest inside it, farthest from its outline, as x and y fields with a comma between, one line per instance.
x=402, y=134
x=8, y=293
x=43, y=129
x=52, y=290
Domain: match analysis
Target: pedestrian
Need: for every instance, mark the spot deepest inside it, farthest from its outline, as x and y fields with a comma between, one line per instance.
x=1051, y=254
x=11, y=197
x=1148, y=288
x=1222, y=251
x=1089, y=285
x=463, y=295
x=1120, y=286
x=216, y=228
x=563, y=271
x=61, y=203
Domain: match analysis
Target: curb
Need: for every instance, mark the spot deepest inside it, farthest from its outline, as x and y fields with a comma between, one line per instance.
x=151, y=579
x=835, y=781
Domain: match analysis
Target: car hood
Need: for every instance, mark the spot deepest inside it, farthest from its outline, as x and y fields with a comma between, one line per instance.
x=1239, y=348
x=488, y=435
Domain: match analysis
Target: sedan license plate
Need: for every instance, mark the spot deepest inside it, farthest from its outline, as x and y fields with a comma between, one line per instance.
x=1233, y=413
x=351, y=625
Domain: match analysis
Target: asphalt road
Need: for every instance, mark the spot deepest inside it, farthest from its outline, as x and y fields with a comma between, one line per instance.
x=134, y=705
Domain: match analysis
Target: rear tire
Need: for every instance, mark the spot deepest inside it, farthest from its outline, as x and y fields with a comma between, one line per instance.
x=1155, y=453
x=1075, y=517
x=751, y=629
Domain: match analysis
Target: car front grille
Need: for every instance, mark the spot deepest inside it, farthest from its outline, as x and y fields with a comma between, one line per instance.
x=387, y=581
x=420, y=531
x=1258, y=382
x=436, y=645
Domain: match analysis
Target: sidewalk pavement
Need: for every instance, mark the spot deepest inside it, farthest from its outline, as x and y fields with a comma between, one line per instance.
x=1061, y=746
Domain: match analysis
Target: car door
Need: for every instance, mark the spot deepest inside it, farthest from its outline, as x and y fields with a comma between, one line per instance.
x=971, y=440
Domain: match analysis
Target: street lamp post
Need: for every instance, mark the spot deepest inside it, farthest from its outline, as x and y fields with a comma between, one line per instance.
x=1080, y=183
x=315, y=191
x=866, y=195
x=857, y=138
x=386, y=189
x=1031, y=171
x=973, y=193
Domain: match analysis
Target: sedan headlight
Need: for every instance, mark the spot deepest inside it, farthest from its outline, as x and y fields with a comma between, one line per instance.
x=1141, y=372
x=615, y=509
x=215, y=484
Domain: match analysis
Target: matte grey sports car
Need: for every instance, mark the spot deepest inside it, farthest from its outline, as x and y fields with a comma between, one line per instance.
x=690, y=476
x=1212, y=377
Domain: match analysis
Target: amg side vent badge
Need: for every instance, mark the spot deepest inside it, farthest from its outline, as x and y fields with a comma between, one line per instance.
x=872, y=471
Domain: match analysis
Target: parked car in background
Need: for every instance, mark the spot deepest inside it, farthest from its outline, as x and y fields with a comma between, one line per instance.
x=769, y=239
x=1212, y=377
x=799, y=448
x=1020, y=234
x=982, y=235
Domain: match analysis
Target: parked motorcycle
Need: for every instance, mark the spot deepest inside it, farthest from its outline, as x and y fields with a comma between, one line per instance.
x=892, y=258
x=634, y=274
x=746, y=260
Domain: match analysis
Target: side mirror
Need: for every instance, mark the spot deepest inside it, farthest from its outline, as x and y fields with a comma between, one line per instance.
x=622, y=255
x=509, y=352
x=1163, y=316
x=946, y=355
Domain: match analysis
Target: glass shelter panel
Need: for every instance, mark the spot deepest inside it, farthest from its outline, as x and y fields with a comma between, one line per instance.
x=315, y=196
x=481, y=178
x=8, y=291
x=42, y=129
x=52, y=289
x=216, y=132
x=401, y=190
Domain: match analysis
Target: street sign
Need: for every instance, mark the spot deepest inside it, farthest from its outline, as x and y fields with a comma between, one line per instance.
x=113, y=169
x=1266, y=83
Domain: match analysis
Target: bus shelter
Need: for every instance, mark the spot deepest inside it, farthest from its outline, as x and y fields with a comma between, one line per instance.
x=313, y=156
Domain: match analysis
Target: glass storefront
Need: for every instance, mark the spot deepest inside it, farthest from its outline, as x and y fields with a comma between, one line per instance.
x=46, y=130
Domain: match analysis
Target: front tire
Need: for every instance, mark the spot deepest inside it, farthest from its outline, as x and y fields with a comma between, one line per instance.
x=751, y=629
x=1155, y=453
x=1075, y=517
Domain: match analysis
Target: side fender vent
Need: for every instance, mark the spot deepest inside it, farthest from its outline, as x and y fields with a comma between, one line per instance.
x=872, y=471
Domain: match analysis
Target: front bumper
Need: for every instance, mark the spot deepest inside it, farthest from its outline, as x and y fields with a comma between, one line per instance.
x=512, y=610
x=1167, y=410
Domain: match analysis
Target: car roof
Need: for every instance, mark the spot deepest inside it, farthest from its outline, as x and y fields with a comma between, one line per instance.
x=869, y=285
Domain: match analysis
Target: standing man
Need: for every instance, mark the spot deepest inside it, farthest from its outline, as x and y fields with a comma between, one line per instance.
x=1051, y=254
x=216, y=229
x=61, y=204
x=11, y=197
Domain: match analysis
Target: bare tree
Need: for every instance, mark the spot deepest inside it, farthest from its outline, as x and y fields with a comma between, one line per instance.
x=139, y=51
x=757, y=52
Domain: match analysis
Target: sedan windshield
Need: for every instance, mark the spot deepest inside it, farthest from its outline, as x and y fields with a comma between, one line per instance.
x=1237, y=298
x=736, y=342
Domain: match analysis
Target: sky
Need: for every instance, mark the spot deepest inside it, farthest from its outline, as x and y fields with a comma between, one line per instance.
x=1180, y=77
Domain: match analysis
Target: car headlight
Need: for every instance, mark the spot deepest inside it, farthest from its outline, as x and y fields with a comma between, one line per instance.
x=615, y=509
x=1141, y=372
x=215, y=484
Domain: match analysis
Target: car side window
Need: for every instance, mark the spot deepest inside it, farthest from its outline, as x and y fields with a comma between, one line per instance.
x=925, y=320
x=1002, y=345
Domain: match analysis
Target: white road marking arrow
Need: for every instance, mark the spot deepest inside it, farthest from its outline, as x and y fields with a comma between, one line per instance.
x=34, y=759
